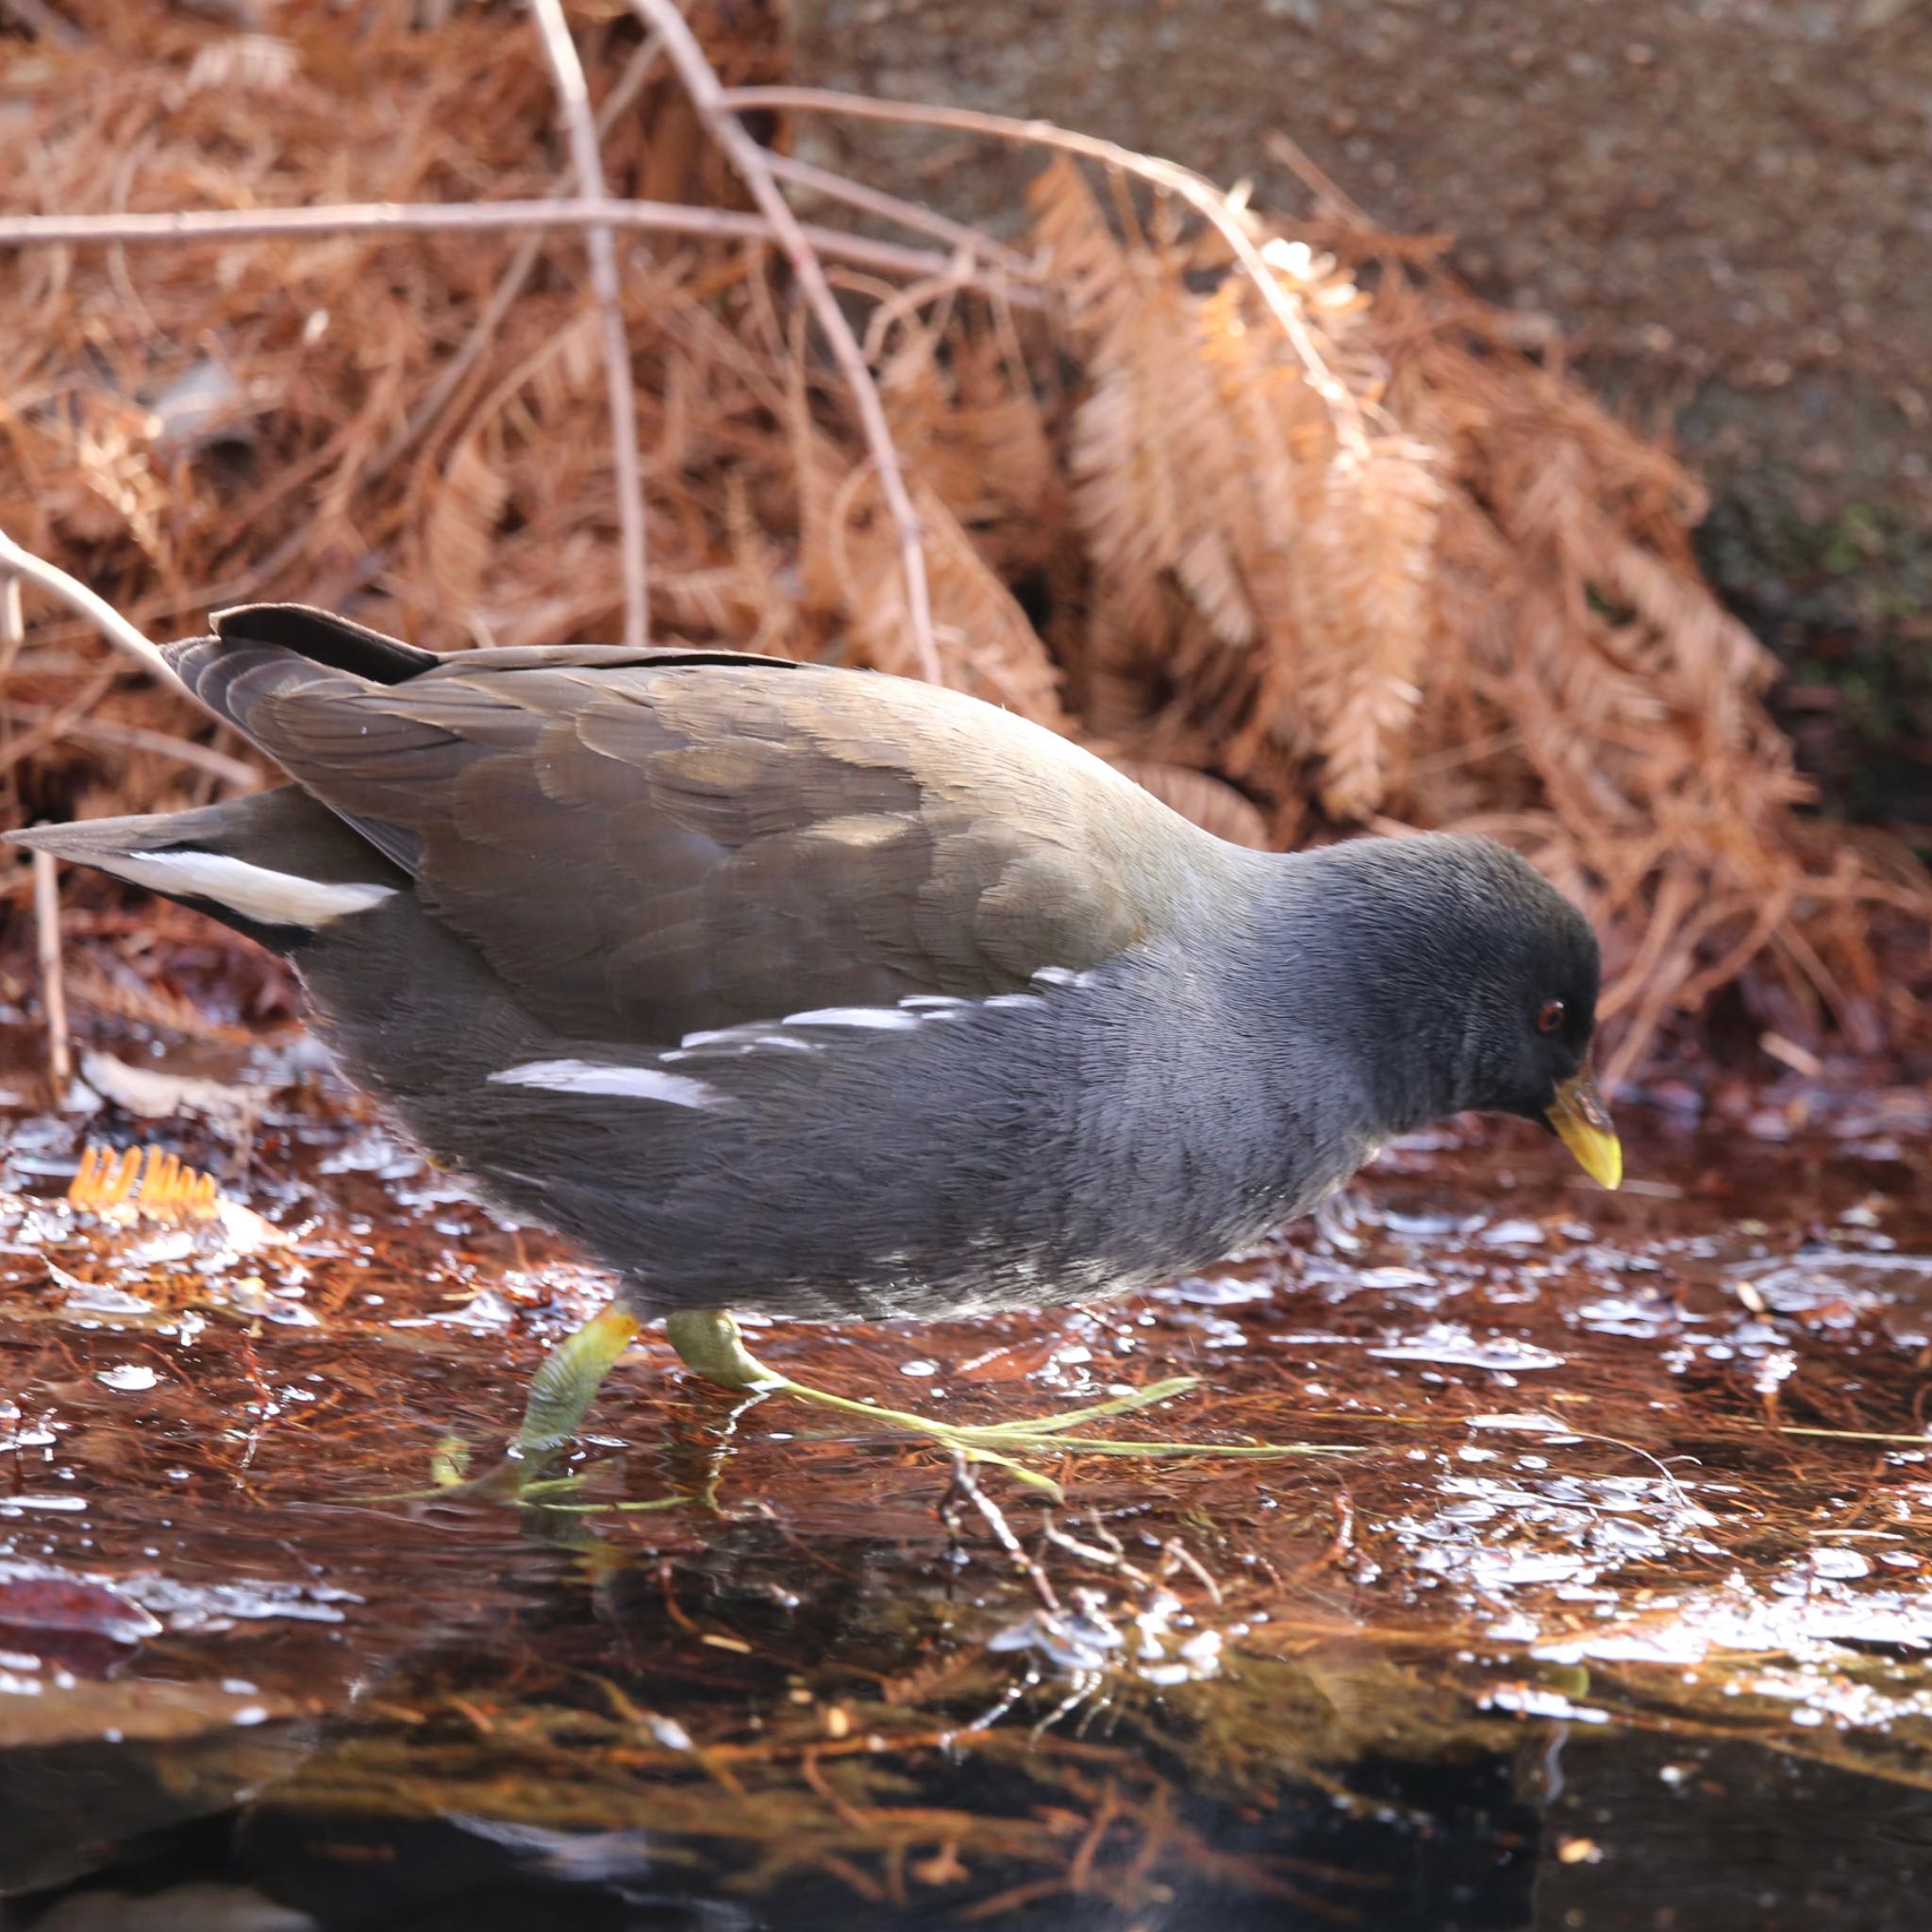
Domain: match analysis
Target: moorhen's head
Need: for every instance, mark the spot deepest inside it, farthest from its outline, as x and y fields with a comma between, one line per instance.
x=1475, y=982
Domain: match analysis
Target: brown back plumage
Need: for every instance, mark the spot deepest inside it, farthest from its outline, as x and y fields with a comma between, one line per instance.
x=643, y=843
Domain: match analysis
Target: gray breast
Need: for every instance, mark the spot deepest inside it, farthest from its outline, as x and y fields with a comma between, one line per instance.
x=1097, y=1132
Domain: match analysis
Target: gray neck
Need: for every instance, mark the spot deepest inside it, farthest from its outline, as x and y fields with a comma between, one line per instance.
x=1337, y=952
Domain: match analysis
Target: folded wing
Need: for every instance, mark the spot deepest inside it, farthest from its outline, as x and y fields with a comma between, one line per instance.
x=648, y=844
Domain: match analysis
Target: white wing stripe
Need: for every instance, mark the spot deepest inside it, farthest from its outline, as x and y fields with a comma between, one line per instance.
x=853, y=1016
x=633, y=1083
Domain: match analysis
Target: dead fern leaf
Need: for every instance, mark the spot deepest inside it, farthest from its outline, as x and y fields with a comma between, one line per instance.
x=251, y=63
x=141, y=1181
x=1362, y=572
x=987, y=646
x=1151, y=440
x=150, y=1184
x=457, y=543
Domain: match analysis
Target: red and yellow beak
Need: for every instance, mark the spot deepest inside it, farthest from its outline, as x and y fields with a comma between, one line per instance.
x=1583, y=1124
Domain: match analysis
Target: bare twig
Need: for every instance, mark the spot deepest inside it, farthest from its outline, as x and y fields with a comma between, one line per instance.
x=754, y=168
x=1198, y=192
x=53, y=990
x=139, y=737
x=908, y=214
x=438, y=217
x=449, y=378
x=1317, y=180
x=574, y=97
x=98, y=612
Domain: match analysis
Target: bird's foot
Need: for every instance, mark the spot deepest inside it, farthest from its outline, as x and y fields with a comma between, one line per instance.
x=563, y=1388
x=562, y=1392
x=711, y=1344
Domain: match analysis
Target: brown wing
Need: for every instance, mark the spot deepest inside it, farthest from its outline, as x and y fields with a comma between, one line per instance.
x=645, y=846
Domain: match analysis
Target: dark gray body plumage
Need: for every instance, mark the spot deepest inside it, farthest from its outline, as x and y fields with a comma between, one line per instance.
x=912, y=1009
x=1069, y=1145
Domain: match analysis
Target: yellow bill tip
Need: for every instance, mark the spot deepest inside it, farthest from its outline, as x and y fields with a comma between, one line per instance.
x=1583, y=1124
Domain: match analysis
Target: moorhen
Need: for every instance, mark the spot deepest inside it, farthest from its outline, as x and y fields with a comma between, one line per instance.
x=835, y=995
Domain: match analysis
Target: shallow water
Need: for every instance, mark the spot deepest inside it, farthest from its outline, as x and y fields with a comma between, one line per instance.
x=1615, y=1614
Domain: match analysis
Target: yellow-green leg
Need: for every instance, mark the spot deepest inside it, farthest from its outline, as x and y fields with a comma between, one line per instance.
x=562, y=1390
x=710, y=1343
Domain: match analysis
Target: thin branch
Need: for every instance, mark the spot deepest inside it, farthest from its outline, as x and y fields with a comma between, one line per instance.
x=449, y=378
x=101, y=614
x=574, y=97
x=438, y=217
x=754, y=168
x=908, y=214
x=111, y=731
x=1198, y=192
x=1317, y=180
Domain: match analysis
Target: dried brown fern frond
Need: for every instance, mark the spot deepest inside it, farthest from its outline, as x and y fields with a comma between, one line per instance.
x=1203, y=454
x=1156, y=459
x=458, y=538
x=1363, y=570
x=143, y=1181
x=987, y=646
x=147, y=1184
x=1334, y=549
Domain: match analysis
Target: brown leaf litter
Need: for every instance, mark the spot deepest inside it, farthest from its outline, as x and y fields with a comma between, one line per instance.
x=1316, y=549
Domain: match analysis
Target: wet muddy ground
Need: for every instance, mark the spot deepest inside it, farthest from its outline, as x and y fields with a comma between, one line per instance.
x=1610, y=1608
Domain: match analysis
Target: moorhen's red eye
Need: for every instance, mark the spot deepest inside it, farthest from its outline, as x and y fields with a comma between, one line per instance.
x=1551, y=1017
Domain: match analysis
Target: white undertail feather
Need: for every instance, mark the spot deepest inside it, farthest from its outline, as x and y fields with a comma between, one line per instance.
x=632, y=1083
x=255, y=891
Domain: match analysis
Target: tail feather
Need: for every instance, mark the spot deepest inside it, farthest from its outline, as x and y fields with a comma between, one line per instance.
x=275, y=865
x=260, y=649
x=324, y=638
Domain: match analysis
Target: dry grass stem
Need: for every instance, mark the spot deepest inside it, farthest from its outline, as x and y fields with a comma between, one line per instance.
x=574, y=96
x=749, y=159
x=969, y=242
x=431, y=218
